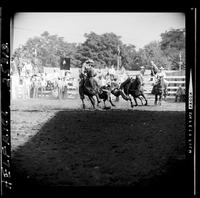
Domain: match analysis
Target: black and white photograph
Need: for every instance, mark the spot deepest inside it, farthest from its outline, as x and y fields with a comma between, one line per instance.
x=99, y=99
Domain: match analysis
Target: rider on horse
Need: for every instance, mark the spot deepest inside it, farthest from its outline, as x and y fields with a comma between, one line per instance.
x=158, y=74
x=88, y=71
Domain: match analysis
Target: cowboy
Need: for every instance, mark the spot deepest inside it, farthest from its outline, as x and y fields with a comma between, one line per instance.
x=86, y=65
x=88, y=70
x=160, y=74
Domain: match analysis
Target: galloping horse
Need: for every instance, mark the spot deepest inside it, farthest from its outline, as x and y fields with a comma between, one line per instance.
x=86, y=89
x=133, y=87
x=159, y=89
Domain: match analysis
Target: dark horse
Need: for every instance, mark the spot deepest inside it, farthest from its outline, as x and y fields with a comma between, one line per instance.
x=134, y=87
x=85, y=88
x=159, y=89
x=100, y=92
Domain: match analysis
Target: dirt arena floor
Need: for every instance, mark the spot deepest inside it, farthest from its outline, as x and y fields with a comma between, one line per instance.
x=56, y=145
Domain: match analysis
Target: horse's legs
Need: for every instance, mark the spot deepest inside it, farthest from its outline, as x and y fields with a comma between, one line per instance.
x=92, y=101
x=98, y=100
x=156, y=98
x=160, y=98
x=144, y=98
x=140, y=100
x=111, y=101
x=131, y=102
x=83, y=103
x=136, y=104
x=82, y=99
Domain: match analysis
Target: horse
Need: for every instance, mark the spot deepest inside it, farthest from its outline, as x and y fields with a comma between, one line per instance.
x=86, y=89
x=134, y=87
x=159, y=89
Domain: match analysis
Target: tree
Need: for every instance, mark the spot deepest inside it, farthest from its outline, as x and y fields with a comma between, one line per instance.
x=103, y=49
x=173, y=46
x=153, y=52
x=129, y=57
x=46, y=50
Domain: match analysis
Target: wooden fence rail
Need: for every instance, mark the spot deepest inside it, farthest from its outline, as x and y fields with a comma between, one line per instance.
x=174, y=83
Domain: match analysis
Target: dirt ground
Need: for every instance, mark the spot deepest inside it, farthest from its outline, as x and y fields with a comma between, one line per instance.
x=56, y=144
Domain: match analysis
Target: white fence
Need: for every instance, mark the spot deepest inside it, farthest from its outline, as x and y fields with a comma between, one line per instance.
x=175, y=80
x=174, y=83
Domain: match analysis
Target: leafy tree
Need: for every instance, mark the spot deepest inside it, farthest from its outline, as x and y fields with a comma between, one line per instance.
x=101, y=48
x=153, y=52
x=46, y=50
x=173, y=46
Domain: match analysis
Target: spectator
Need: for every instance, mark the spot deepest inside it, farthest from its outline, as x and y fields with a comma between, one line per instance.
x=180, y=94
x=60, y=86
x=35, y=85
x=27, y=87
x=142, y=71
x=43, y=86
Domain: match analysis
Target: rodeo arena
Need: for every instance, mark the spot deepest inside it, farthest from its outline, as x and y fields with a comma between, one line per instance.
x=97, y=127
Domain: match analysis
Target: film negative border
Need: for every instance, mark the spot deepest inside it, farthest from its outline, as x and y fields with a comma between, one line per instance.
x=191, y=100
x=6, y=174
x=6, y=183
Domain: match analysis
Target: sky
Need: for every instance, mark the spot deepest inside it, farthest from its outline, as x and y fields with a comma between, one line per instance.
x=138, y=29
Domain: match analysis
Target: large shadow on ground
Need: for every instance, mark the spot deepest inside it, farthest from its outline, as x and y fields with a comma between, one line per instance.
x=143, y=150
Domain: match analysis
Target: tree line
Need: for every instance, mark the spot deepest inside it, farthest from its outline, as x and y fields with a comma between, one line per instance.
x=46, y=50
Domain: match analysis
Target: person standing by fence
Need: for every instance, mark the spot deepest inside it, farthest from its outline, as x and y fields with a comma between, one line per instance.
x=27, y=87
x=43, y=86
x=180, y=94
x=35, y=85
x=142, y=71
